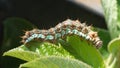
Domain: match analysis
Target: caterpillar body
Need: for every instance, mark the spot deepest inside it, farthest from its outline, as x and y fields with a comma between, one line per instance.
x=67, y=27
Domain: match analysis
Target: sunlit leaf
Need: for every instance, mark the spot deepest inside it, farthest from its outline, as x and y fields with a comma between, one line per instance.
x=112, y=16
x=83, y=50
x=21, y=53
x=114, y=57
x=36, y=49
x=55, y=62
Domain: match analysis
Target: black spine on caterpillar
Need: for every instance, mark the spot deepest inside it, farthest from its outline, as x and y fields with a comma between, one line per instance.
x=67, y=27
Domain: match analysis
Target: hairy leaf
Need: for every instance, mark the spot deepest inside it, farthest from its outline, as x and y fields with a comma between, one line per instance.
x=83, y=50
x=112, y=16
x=36, y=49
x=55, y=62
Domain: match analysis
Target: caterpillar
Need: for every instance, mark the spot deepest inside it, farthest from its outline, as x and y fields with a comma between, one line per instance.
x=67, y=27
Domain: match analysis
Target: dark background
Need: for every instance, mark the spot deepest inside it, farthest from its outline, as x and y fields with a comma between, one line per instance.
x=47, y=13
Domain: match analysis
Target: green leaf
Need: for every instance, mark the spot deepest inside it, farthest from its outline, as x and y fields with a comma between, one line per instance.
x=36, y=49
x=13, y=29
x=22, y=53
x=55, y=62
x=105, y=37
x=114, y=45
x=114, y=57
x=47, y=49
x=112, y=16
x=83, y=50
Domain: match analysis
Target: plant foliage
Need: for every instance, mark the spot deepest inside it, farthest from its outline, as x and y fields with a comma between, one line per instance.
x=72, y=52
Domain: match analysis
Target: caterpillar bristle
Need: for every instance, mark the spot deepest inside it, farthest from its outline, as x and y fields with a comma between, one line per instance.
x=23, y=41
x=44, y=32
x=67, y=27
x=93, y=34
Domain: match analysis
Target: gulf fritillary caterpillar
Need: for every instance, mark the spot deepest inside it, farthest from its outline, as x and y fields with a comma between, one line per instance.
x=67, y=27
